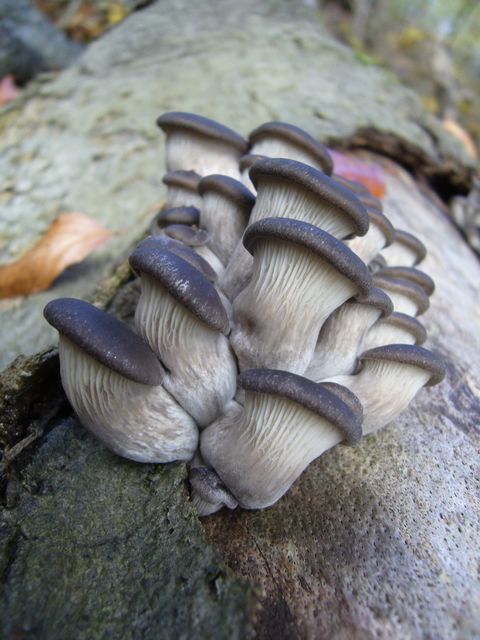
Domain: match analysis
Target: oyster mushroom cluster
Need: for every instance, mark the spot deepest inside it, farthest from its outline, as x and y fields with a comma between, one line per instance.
x=277, y=318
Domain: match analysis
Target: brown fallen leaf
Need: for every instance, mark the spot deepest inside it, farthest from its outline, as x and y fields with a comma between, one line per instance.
x=69, y=239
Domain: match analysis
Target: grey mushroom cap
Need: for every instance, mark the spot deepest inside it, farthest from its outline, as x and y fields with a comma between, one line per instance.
x=185, y=252
x=346, y=396
x=409, y=324
x=316, y=182
x=203, y=126
x=298, y=137
x=377, y=298
x=420, y=278
x=105, y=338
x=210, y=488
x=319, y=242
x=185, y=283
x=176, y=215
x=410, y=355
x=380, y=220
x=403, y=287
x=310, y=395
x=229, y=188
x=188, y=235
x=183, y=179
x=248, y=160
x=410, y=241
x=371, y=202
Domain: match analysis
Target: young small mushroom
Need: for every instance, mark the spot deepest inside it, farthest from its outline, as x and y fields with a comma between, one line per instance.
x=300, y=276
x=397, y=328
x=389, y=379
x=114, y=382
x=182, y=318
x=225, y=211
x=196, y=238
x=407, y=297
x=380, y=234
x=340, y=339
x=245, y=164
x=406, y=251
x=294, y=190
x=177, y=215
x=283, y=140
x=287, y=421
x=196, y=143
x=182, y=189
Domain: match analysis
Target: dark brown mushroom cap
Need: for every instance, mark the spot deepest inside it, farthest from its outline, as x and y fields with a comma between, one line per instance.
x=308, y=394
x=187, y=180
x=410, y=355
x=297, y=136
x=248, y=159
x=229, y=188
x=383, y=223
x=321, y=243
x=404, y=287
x=185, y=283
x=176, y=215
x=412, y=242
x=357, y=187
x=409, y=324
x=378, y=299
x=200, y=125
x=187, y=235
x=188, y=254
x=315, y=182
x=105, y=338
x=416, y=276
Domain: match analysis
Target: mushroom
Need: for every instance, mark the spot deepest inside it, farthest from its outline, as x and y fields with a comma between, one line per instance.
x=407, y=297
x=182, y=189
x=397, y=328
x=196, y=238
x=114, y=382
x=283, y=140
x=287, y=421
x=196, y=143
x=245, y=164
x=176, y=215
x=406, y=251
x=181, y=317
x=226, y=207
x=358, y=188
x=420, y=278
x=301, y=274
x=380, y=234
x=389, y=378
x=297, y=191
x=341, y=336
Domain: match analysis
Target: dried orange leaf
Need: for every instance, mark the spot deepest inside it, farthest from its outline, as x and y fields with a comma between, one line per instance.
x=369, y=174
x=69, y=239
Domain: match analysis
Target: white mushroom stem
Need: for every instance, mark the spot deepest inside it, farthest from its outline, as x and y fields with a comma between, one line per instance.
x=385, y=389
x=188, y=151
x=340, y=340
x=201, y=369
x=225, y=222
x=137, y=421
x=260, y=452
x=269, y=331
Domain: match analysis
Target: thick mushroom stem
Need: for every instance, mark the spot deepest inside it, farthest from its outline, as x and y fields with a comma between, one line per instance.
x=406, y=251
x=389, y=379
x=225, y=211
x=195, y=143
x=398, y=328
x=298, y=192
x=260, y=452
x=296, y=266
x=182, y=189
x=380, y=234
x=181, y=317
x=136, y=421
x=340, y=340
